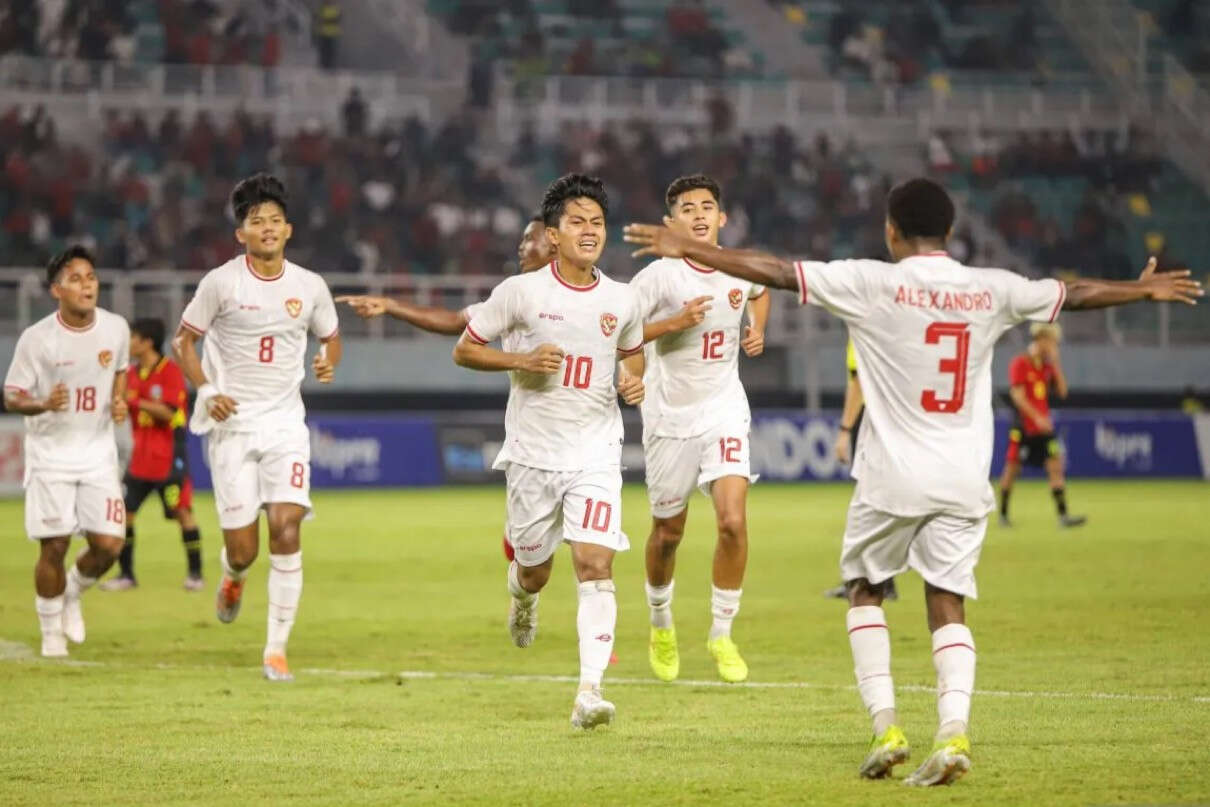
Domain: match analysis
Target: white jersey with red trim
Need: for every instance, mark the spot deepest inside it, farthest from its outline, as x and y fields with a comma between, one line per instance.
x=256, y=340
x=79, y=441
x=924, y=329
x=692, y=378
x=567, y=421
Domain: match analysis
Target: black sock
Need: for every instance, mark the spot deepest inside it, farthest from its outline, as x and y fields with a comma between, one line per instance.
x=1060, y=495
x=1004, y=493
x=193, y=550
x=126, y=556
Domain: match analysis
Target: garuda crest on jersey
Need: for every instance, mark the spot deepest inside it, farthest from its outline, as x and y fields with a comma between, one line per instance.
x=735, y=297
x=294, y=307
x=105, y=357
x=609, y=324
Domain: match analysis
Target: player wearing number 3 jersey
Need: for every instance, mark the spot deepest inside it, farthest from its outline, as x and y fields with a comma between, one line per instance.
x=563, y=330
x=255, y=312
x=68, y=378
x=924, y=328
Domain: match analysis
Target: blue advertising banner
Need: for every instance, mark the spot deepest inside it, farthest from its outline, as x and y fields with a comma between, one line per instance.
x=352, y=451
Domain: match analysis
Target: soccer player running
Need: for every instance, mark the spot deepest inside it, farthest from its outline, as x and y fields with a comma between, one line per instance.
x=254, y=312
x=563, y=329
x=156, y=397
x=924, y=327
x=1031, y=440
x=68, y=377
x=696, y=421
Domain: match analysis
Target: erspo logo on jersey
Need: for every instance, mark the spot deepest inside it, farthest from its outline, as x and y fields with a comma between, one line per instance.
x=735, y=297
x=105, y=357
x=294, y=307
x=609, y=324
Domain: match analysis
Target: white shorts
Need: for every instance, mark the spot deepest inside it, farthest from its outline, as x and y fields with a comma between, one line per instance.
x=676, y=465
x=943, y=549
x=546, y=508
x=252, y=469
x=56, y=506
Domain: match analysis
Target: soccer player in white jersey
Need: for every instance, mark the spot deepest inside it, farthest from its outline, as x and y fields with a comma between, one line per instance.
x=563, y=330
x=924, y=327
x=255, y=312
x=68, y=377
x=696, y=422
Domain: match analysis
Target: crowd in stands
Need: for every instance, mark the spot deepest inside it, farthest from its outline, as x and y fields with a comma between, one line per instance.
x=172, y=31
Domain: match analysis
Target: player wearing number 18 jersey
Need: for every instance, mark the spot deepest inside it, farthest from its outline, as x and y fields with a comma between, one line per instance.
x=563, y=330
x=696, y=422
x=255, y=312
x=924, y=328
x=68, y=377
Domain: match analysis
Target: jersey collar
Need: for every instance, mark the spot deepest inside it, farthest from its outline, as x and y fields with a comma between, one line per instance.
x=260, y=277
x=554, y=270
x=73, y=329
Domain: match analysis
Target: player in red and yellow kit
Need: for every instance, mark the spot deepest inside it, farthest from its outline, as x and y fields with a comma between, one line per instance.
x=155, y=393
x=1032, y=438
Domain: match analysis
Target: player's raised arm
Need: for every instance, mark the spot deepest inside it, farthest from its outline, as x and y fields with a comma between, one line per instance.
x=749, y=264
x=431, y=318
x=1175, y=287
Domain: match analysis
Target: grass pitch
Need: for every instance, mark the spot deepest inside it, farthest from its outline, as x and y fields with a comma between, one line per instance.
x=1092, y=667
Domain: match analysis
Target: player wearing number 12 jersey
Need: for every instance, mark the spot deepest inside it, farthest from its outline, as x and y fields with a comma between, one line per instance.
x=68, y=377
x=696, y=422
x=924, y=328
x=563, y=330
x=255, y=312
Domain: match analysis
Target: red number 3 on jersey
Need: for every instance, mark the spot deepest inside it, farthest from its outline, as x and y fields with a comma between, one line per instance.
x=955, y=366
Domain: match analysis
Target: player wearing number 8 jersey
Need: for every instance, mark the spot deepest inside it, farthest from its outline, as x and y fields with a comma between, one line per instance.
x=255, y=312
x=68, y=377
x=924, y=328
x=696, y=422
x=563, y=330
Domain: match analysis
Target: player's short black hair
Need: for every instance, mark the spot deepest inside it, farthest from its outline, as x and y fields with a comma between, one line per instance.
x=149, y=328
x=920, y=208
x=537, y=217
x=55, y=265
x=691, y=183
x=568, y=187
x=256, y=190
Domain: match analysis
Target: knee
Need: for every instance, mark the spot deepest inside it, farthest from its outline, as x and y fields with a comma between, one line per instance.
x=53, y=551
x=533, y=578
x=594, y=569
x=107, y=547
x=732, y=525
x=667, y=535
x=241, y=557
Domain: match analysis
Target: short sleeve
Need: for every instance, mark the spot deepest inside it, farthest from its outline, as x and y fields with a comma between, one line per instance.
x=630, y=339
x=757, y=290
x=23, y=371
x=494, y=317
x=123, y=357
x=1034, y=300
x=647, y=293
x=324, y=321
x=469, y=312
x=204, y=306
x=1017, y=372
x=839, y=286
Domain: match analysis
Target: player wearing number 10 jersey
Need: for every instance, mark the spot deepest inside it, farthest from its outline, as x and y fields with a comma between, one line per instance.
x=563, y=330
x=255, y=312
x=924, y=328
x=68, y=377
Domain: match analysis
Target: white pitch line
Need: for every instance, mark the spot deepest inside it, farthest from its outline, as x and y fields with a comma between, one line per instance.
x=18, y=652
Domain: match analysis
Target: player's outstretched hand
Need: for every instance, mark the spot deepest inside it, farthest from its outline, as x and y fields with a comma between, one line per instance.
x=544, y=359
x=693, y=312
x=119, y=409
x=631, y=388
x=364, y=305
x=657, y=240
x=753, y=342
x=58, y=398
x=323, y=368
x=221, y=407
x=1174, y=287
x=843, y=448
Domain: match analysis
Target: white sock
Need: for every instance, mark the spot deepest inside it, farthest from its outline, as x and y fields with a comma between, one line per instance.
x=50, y=616
x=227, y=570
x=954, y=660
x=660, y=600
x=515, y=588
x=870, y=640
x=77, y=583
x=724, y=605
x=595, y=620
x=285, y=588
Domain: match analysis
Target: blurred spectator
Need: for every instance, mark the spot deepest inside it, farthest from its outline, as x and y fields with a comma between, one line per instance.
x=354, y=114
x=327, y=32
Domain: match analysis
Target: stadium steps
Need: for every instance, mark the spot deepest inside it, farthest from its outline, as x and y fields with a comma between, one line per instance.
x=778, y=38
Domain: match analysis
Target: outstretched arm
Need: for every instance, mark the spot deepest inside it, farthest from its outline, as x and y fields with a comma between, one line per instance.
x=431, y=318
x=1177, y=287
x=749, y=264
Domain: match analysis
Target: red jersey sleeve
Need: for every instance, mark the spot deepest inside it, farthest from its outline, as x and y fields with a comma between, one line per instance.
x=173, y=385
x=1018, y=372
